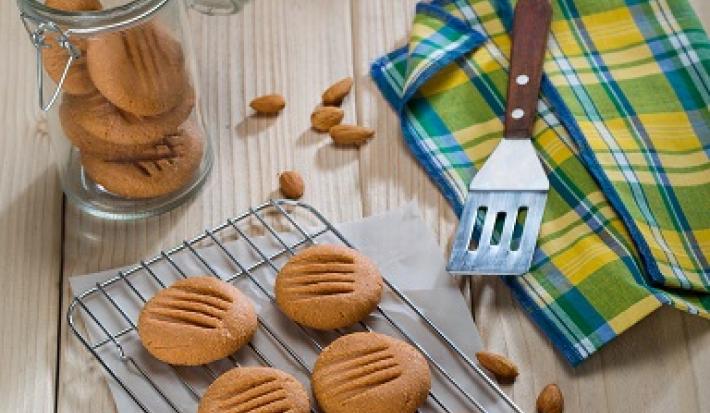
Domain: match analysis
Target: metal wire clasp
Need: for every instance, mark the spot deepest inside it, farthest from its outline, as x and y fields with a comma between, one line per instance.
x=38, y=37
x=217, y=7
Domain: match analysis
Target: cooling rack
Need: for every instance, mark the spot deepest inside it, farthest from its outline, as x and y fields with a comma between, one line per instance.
x=110, y=334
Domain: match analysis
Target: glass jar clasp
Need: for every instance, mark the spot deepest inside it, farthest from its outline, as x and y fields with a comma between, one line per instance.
x=217, y=7
x=38, y=37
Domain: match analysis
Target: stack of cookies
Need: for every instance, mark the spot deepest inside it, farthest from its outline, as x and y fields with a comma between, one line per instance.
x=126, y=106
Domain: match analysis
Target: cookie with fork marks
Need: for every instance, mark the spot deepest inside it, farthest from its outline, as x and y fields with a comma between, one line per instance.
x=255, y=390
x=328, y=286
x=370, y=373
x=196, y=321
x=160, y=170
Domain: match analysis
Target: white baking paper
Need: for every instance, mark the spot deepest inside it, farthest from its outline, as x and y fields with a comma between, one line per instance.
x=407, y=255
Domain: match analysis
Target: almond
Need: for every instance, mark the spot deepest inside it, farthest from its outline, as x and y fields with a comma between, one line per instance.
x=268, y=104
x=325, y=117
x=291, y=184
x=350, y=134
x=335, y=94
x=503, y=368
x=550, y=400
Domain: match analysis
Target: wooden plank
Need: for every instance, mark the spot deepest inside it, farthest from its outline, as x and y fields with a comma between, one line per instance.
x=702, y=8
x=390, y=174
x=697, y=338
x=272, y=46
x=30, y=218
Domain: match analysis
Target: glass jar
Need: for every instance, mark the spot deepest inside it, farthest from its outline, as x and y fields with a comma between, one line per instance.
x=122, y=102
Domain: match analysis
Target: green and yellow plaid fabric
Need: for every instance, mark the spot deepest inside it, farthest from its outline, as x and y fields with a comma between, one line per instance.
x=624, y=133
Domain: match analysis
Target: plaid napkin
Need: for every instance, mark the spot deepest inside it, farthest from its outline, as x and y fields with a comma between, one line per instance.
x=623, y=131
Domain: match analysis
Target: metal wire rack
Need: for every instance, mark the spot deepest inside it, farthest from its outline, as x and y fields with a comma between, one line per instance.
x=290, y=225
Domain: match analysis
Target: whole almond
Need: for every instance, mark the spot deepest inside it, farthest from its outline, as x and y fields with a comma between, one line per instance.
x=350, y=134
x=550, y=400
x=502, y=367
x=335, y=94
x=268, y=104
x=291, y=184
x=325, y=117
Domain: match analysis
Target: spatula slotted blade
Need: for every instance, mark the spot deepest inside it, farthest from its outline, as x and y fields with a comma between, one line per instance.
x=506, y=200
x=503, y=213
x=480, y=249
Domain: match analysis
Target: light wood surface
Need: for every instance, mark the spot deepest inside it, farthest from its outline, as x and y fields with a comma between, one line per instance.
x=30, y=233
x=297, y=48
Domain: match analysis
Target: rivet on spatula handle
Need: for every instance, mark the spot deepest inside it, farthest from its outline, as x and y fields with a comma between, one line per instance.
x=530, y=30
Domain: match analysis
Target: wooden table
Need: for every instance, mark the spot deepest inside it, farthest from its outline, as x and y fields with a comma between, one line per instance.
x=295, y=47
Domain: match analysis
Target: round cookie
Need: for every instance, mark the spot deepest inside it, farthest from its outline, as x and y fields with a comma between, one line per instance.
x=54, y=57
x=328, y=286
x=370, y=373
x=98, y=127
x=195, y=321
x=255, y=390
x=161, y=170
x=141, y=70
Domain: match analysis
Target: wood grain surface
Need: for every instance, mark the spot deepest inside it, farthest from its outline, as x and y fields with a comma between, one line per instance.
x=297, y=48
x=30, y=232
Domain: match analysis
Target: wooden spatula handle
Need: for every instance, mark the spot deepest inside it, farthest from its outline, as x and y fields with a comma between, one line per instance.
x=531, y=27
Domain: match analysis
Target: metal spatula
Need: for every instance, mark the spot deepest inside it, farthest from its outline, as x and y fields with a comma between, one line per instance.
x=501, y=219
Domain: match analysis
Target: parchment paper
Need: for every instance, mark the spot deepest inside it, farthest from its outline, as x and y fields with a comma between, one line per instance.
x=401, y=245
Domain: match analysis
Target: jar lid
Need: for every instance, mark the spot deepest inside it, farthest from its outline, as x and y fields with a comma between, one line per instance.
x=118, y=15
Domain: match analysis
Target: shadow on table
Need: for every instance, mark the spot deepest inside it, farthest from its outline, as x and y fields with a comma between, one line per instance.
x=93, y=244
x=32, y=219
